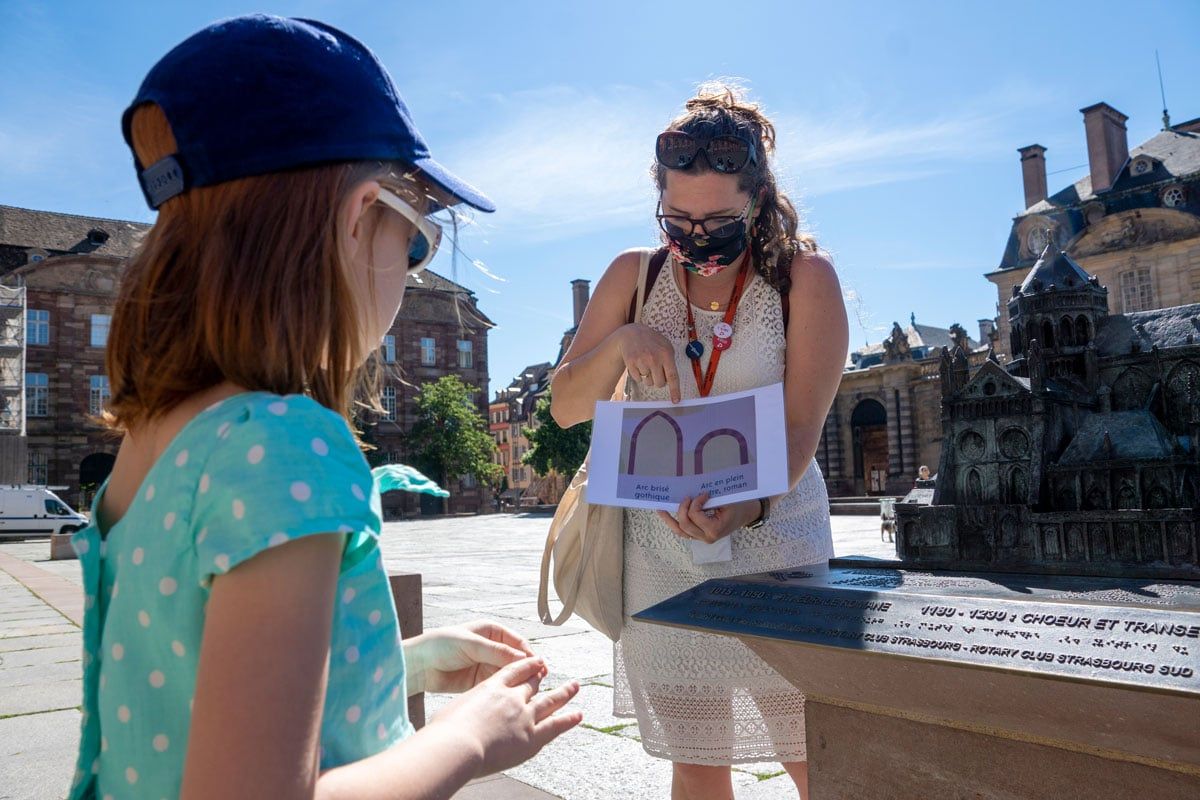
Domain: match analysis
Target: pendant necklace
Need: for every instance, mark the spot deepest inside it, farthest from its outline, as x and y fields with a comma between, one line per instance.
x=722, y=331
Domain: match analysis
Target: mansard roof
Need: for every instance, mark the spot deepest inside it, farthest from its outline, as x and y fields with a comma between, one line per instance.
x=1177, y=156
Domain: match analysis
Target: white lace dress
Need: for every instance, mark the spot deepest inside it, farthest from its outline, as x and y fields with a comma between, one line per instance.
x=702, y=698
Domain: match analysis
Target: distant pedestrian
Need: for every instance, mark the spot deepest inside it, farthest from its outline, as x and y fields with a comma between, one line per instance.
x=744, y=299
x=240, y=637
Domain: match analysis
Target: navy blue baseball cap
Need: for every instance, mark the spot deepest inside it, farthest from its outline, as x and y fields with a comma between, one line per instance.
x=258, y=94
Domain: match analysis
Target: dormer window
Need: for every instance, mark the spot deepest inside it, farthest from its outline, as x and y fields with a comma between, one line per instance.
x=1173, y=197
x=1037, y=240
x=97, y=236
x=1141, y=165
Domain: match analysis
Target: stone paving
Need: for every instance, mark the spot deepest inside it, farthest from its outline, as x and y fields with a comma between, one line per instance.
x=472, y=567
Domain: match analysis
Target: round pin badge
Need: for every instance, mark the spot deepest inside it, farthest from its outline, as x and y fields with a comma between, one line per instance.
x=694, y=350
x=721, y=344
x=723, y=330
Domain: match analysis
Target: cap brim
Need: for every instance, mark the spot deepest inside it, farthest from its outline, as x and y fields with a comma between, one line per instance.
x=459, y=190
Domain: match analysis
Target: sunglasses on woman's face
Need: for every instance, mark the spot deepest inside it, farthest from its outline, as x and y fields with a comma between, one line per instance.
x=727, y=153
x=678, y=226
x=429, y=234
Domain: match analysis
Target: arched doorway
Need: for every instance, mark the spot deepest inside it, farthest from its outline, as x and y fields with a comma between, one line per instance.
x=868, y=422
x=93, y=471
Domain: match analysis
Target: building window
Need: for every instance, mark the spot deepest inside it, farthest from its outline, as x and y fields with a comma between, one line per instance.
x=428, y=352
x=389, y=349
x=99, y=394
x=465, y=355
x=37, y=326
x=388, y=399
x=467, y=481
x=100, y=329
x=1173, y=197
x=37, y=394
x=1137, y=293
x=39, y=467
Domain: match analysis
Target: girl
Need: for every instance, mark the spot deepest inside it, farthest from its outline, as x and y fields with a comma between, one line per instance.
x=743, y=300
x=240, y=638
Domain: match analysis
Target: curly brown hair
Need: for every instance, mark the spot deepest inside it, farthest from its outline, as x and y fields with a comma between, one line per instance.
x=721, y=109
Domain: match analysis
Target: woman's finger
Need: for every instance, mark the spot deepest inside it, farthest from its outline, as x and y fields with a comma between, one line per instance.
x=547, y=703
x=658, y=378
x=673, y=383
x=686, y=526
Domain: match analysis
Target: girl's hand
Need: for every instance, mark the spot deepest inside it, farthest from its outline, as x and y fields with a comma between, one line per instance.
x=506, y=718
x=649, y=357
x=456, y=659
x=692, y=521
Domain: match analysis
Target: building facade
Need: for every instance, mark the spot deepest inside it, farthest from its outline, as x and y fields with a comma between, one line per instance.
x=512, y=413
x=1132, y=221
x=884, y=424
x=439, y=331
x=71, y=266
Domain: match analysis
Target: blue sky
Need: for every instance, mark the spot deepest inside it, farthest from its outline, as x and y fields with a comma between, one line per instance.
x=899, y=124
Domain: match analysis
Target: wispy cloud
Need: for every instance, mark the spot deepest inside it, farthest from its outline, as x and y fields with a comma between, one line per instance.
x=562, y=160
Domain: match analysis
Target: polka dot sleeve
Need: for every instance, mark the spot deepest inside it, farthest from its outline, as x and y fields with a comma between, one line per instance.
x=283, y=468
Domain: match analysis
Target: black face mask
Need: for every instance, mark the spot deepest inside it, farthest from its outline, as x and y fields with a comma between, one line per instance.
x=705, y=255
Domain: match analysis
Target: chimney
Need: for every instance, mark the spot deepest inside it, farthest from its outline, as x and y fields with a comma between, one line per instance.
x=1108, y=149
x=1033, y=173
x=987, y=329
x=580, y=291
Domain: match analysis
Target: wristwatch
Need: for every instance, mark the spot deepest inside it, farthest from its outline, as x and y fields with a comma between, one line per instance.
x=763, y=516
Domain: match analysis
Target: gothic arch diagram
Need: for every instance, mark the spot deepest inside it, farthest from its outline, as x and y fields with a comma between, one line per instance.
x=743, y=447
x=633, y=441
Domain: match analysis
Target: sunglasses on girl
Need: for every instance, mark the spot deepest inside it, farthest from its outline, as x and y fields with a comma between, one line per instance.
x=429, y=234
x=727, y=153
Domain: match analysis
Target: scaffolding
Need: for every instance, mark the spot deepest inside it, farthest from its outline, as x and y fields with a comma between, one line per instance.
x=14, y=467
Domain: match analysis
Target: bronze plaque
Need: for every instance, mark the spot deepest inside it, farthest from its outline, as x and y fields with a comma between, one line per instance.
x=1107, y=630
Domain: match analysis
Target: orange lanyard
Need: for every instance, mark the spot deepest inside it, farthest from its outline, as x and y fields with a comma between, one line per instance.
x=694, y=349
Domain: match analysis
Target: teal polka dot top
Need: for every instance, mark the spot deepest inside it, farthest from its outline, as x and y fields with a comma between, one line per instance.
x=249, y=473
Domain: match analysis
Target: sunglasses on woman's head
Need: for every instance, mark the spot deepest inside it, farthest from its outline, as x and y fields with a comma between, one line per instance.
x=726, y=153
x=429, y=234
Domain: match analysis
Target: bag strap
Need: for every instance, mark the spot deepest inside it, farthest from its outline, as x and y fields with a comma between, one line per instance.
x=572, y=591
x=647, y=275
x=648, y=271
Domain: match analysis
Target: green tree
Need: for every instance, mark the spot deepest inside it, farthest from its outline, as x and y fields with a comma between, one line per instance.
x=553, y=448
x=450, y=436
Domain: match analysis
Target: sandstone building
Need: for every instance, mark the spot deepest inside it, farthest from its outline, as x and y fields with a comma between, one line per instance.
x=70, y=267
x=1133, y=223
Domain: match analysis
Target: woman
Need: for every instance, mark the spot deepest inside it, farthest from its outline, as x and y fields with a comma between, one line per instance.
x=744, y=300
x=240, y=639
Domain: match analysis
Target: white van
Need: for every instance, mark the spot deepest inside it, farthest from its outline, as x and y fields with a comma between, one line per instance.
x=35, y=510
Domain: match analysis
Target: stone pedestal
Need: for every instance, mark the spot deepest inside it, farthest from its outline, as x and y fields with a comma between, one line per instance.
x=406, y=591
x=926, y=685
x=60, y=546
